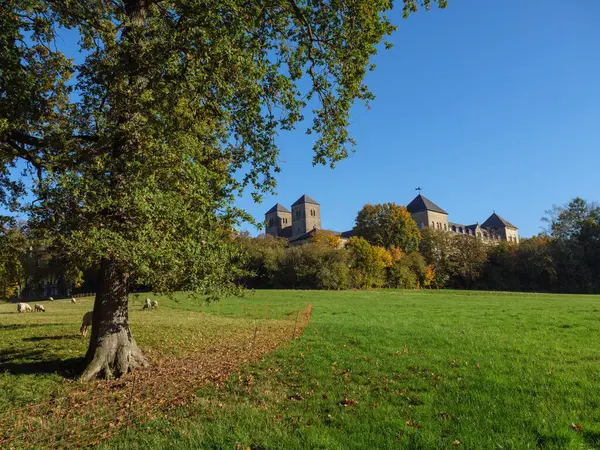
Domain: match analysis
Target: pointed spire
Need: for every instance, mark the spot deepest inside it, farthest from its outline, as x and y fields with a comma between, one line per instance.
x=420, y=203
x=305, y=199
x=278, y=208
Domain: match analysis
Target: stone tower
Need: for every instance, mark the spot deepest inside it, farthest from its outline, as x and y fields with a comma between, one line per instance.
x=501, y=227
x=427, y=214
x=278, y=221
x=306, y=215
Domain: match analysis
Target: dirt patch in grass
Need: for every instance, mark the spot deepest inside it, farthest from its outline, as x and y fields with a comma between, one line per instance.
x=97, y=411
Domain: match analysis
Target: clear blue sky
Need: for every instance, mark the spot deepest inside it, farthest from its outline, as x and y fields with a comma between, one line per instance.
x=485, y=105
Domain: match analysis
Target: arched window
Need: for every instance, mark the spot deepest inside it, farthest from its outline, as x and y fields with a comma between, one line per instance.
x=270, y=222
x=454, y=228
x=460, y=230
x=445, y=228
x=432, y=224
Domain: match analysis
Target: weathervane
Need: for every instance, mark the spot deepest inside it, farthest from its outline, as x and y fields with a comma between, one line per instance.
x=419, y=189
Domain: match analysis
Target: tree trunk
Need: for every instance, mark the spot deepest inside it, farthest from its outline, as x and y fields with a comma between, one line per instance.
x=112, y=351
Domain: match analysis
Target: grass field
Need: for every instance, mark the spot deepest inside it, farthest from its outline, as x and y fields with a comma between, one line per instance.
x=375, y=369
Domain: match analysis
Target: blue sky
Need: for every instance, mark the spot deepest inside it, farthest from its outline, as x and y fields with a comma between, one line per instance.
x=485, y=105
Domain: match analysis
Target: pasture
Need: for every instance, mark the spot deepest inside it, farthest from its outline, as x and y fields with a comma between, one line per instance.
x=374, y=369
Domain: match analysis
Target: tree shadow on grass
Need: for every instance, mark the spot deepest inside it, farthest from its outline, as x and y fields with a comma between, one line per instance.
x=39, y=362
x=19, y=326
x=592, y=437
x=71, y=337
x=548, y=440
x=66, y=368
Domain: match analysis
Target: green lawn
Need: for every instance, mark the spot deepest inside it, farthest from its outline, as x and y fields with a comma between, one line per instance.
x=375, y=369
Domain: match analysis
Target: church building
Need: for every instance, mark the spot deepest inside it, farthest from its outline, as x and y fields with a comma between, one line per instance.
x=494, y=229
x=301, y=223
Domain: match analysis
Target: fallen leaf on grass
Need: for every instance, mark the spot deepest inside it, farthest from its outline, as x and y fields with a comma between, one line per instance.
x=347, y=402
x=577, y=427
x=296, y=396
x=412, y=423
x=456, y=442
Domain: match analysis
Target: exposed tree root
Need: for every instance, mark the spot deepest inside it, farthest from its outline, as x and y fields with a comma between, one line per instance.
x=115, y=355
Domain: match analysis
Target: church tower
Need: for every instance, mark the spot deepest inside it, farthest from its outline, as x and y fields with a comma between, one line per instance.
x=306, y=215
x=427, y=214
x=278, y=221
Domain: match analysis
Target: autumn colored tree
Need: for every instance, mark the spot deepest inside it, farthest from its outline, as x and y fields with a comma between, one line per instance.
x=368, y=263
x=408, y=272
x=321, y=237
x=437, y=246
x=137, y=151
x=388, y=225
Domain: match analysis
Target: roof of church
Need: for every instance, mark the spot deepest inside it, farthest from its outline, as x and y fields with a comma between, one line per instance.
x=421, y=203
x=278, y=208
x=305, y=199
x=311, y=233
x=495, y=221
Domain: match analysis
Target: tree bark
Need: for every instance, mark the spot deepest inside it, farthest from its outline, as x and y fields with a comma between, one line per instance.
x=112, y=351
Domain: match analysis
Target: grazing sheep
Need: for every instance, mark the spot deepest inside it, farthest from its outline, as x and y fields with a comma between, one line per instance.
x=39, y=308
x=147, y=305
x=86, y=322
x=23, y=307
x=154, y=304
x=73, y=300
x=51, y=299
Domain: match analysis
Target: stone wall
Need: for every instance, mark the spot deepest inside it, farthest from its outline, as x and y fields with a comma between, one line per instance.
x=276, y=221
x=305, y=217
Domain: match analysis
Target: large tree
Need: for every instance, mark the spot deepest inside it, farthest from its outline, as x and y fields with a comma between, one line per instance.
x=575, y=229
x=138, y=150
x=437, y=247
x=388, y=225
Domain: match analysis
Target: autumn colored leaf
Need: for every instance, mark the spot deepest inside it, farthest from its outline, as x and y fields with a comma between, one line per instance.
x=413, y=424
x=348, y=402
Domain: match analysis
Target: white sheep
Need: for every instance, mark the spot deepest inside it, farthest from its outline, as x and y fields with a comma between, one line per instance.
x=73, y=300
x=39, y=308
x=51, y=299
x=23, y=307
x=86, y=322
x=154, y=304
x=147, y=305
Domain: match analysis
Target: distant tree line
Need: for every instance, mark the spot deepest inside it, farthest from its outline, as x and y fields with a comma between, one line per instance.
x=388, y=250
